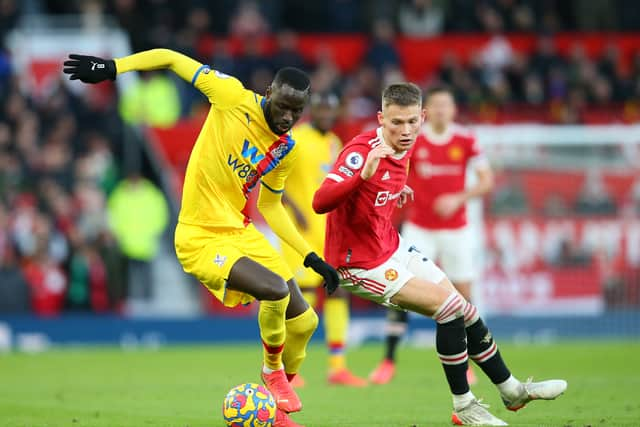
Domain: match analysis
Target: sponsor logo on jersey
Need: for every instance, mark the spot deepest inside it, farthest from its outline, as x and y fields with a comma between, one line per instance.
x=251, y=152
x=219, y=74
x=386, y=176
x=391, y=274
x=346, y=171
x=384, y=196
x=426, y=169
x=244, y=169
x=422, y=153
x=354, y=160
x=455, y=153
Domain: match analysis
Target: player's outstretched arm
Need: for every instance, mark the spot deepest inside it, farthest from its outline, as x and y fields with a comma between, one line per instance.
x=223, y=91
x=274, y=213
x=91, y=69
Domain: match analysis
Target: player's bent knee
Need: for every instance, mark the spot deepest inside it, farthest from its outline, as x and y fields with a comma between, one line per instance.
x=424, y=297
x=274, y=288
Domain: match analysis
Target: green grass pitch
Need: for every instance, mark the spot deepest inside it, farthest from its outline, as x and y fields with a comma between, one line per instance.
x=184, y=387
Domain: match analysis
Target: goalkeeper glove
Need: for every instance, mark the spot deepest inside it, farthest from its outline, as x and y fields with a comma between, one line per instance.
x=329, y=273
x=90, y=69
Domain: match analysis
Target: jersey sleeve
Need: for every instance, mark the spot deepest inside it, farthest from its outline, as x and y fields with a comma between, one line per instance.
x=476, y=158
x=271, y=207
x=223, y=91
x=473, y=147
x=342, y=180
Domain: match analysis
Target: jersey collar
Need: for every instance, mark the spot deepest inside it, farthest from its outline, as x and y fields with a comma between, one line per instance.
x=437, y=138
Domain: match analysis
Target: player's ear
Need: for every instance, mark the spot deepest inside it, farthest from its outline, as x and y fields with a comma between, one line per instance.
x=423, y=115
x=380, y=118
x=269, y=91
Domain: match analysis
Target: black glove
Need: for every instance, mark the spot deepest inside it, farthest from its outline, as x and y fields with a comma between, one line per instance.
x=330, y=275
x=90, y=69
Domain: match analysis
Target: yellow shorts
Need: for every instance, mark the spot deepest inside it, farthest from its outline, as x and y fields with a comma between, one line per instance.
x=209, y=253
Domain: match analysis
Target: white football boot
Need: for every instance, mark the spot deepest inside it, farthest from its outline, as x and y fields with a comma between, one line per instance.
x=543, y=390
x=475, y=414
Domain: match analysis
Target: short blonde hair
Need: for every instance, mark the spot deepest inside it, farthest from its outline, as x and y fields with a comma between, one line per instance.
x=402, y=94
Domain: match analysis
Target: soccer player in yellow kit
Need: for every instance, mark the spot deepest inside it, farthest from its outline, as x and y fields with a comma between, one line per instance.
x=318, y=147
x=244, y=140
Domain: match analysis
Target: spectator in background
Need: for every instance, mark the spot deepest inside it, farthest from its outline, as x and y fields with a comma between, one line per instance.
x=610, y=69
x=87, y=280
x=248, y=21
x=196, y=29
x=14, y=291
x=533, y=90
x=326, y=76
x=461, y=16
x=9, y=14
x=286, y=53
x=251, y=60
x=555, y=206
x=44, y=275
x=382, y=52
x=138, y=214
x=545, y=57
x=345, y=16
x=516, y=15
x=594, y=198
x=222, y=59
x=361, y=94
x=596, y=15
x=153, y=101
x=421, y=18
x=571, y=255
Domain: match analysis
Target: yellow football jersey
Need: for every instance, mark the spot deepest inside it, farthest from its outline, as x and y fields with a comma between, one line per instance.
x=315, y=155
x=234, y=151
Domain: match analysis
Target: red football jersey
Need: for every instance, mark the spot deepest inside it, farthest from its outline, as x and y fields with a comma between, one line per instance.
x=438, y=166
x=360, y=232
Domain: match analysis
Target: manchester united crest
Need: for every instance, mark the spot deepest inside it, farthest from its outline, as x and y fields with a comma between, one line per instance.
x=455, y=153
x=391, y=274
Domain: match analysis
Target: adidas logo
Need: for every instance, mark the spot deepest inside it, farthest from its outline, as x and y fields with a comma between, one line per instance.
x=386, y=176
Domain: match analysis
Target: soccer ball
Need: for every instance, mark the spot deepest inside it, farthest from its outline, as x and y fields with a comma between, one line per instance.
x=249, y=405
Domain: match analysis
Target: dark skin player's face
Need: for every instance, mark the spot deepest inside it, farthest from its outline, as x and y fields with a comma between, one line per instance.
x=284, y=107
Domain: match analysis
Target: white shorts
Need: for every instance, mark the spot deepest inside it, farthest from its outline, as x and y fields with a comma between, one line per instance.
x=381, y=283
x=452, y=249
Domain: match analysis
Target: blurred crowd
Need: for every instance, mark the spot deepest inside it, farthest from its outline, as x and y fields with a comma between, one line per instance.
x=412, y=17
x=562, y=86
x=65, y=213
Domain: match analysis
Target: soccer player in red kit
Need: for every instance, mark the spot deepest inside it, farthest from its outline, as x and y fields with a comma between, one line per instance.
x=437, y=221
x=359, y=194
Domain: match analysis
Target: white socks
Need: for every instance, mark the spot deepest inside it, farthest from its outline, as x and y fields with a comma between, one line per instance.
x=510, y=388
x=460, y=401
